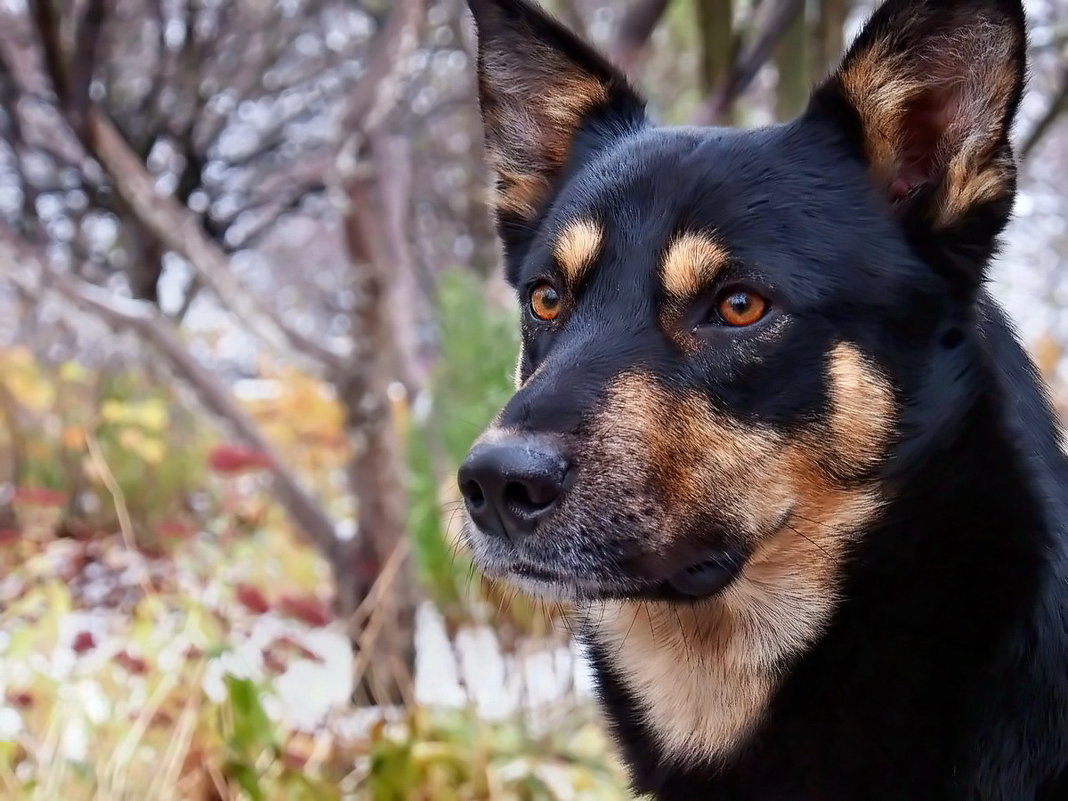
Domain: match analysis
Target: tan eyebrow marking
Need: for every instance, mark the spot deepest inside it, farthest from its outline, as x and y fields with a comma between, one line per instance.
x=691, y=262
x=577, y=247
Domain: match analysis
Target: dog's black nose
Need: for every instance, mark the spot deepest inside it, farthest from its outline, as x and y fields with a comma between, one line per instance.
x=511, y=483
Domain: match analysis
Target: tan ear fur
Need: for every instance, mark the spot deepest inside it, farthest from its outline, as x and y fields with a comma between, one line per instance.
x=935, y=87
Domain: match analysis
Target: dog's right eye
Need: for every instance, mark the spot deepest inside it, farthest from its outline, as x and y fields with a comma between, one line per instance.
x=740, y=307
x=545, y=302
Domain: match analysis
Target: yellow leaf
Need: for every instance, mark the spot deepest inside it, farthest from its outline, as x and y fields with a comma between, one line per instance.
x=1047, y=353
x=150, y=415
x=112, y=411
x=73, y=373
x=58, y=598
x=152, y=451
x=147, y=448
x=16, y=357
x=27, y=389
x=130, y=438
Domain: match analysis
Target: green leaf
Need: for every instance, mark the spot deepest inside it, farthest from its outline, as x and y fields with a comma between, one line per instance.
x=252, y=728
x=246, y=779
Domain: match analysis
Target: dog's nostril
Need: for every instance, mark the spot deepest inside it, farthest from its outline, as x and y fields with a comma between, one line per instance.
x=529, y=497
x=473, y=494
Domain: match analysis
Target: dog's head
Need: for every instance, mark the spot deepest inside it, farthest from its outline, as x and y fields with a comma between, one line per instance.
x=730, y=336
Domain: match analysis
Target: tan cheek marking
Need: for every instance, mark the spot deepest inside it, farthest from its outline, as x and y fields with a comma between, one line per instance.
x=704, y=675
x=691, y=262
x=577, y=248
x=862, y=415
x=690, y=456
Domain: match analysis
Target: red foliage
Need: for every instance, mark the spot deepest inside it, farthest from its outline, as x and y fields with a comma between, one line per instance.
x=273, y=661
x=83, y=641
x=291, y=645
x=193, y=654
x=175, y=530
x=20, y=699
x=9, y=535
x=40, y=496
x=306, y=608
x=252, y=598
x=132, y=664
x=229, y=459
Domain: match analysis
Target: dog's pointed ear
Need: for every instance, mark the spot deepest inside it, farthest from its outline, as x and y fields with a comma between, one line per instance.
x=929, y=92
x=541, y=90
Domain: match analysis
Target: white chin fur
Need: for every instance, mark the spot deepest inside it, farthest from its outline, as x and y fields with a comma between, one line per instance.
x=544, y=590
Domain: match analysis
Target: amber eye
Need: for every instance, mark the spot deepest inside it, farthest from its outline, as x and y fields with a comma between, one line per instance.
x=545, y=302
x=740, y=307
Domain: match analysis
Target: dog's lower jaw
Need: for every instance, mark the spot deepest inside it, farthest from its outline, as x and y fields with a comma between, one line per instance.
x=703, y=674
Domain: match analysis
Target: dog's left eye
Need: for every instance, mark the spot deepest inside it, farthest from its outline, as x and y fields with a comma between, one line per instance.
x=740, y=307
x=545, y=302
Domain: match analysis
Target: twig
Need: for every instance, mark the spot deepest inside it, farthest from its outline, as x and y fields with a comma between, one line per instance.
x=1057, y=106
x=118, y=498
x=381, y=585
x=179, y=230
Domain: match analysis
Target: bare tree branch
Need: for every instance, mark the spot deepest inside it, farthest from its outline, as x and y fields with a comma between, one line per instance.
x=375, y=213
x=376, y=93
x=571, y=15
x=83, y=64
x=635, y=30
x=44, y=17
x=1057, y=106
x=776, y=18
x=181, y=231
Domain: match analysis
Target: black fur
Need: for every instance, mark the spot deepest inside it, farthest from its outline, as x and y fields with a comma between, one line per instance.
x=944, y=671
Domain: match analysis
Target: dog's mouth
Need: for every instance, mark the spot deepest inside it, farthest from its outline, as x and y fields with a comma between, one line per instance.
x=696, y=581
x=709, y=576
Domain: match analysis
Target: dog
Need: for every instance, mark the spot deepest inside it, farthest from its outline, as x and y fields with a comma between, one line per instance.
x=772, y=438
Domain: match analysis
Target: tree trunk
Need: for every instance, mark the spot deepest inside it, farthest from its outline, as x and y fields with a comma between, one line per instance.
x=774, y=18
x=791, y=62
x=715, y=21
x=377, y=594
x=829, y=39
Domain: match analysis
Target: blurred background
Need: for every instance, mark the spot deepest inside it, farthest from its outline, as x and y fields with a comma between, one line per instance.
x=251, y=320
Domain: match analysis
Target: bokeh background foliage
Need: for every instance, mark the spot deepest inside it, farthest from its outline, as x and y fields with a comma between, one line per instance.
x=250, y=322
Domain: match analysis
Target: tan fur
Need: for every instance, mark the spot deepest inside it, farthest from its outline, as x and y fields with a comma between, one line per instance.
x=691, y=263
x=688, y=458
x=863, y=406
x=520, y=194
x=577, y=248
x=532, y=122
x=972, y=69
x=704, y=675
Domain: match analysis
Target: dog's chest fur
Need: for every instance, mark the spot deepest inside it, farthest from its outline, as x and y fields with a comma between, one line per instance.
x=703, y=675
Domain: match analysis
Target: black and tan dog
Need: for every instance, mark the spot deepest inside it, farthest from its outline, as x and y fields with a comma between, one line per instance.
x=771, y=435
